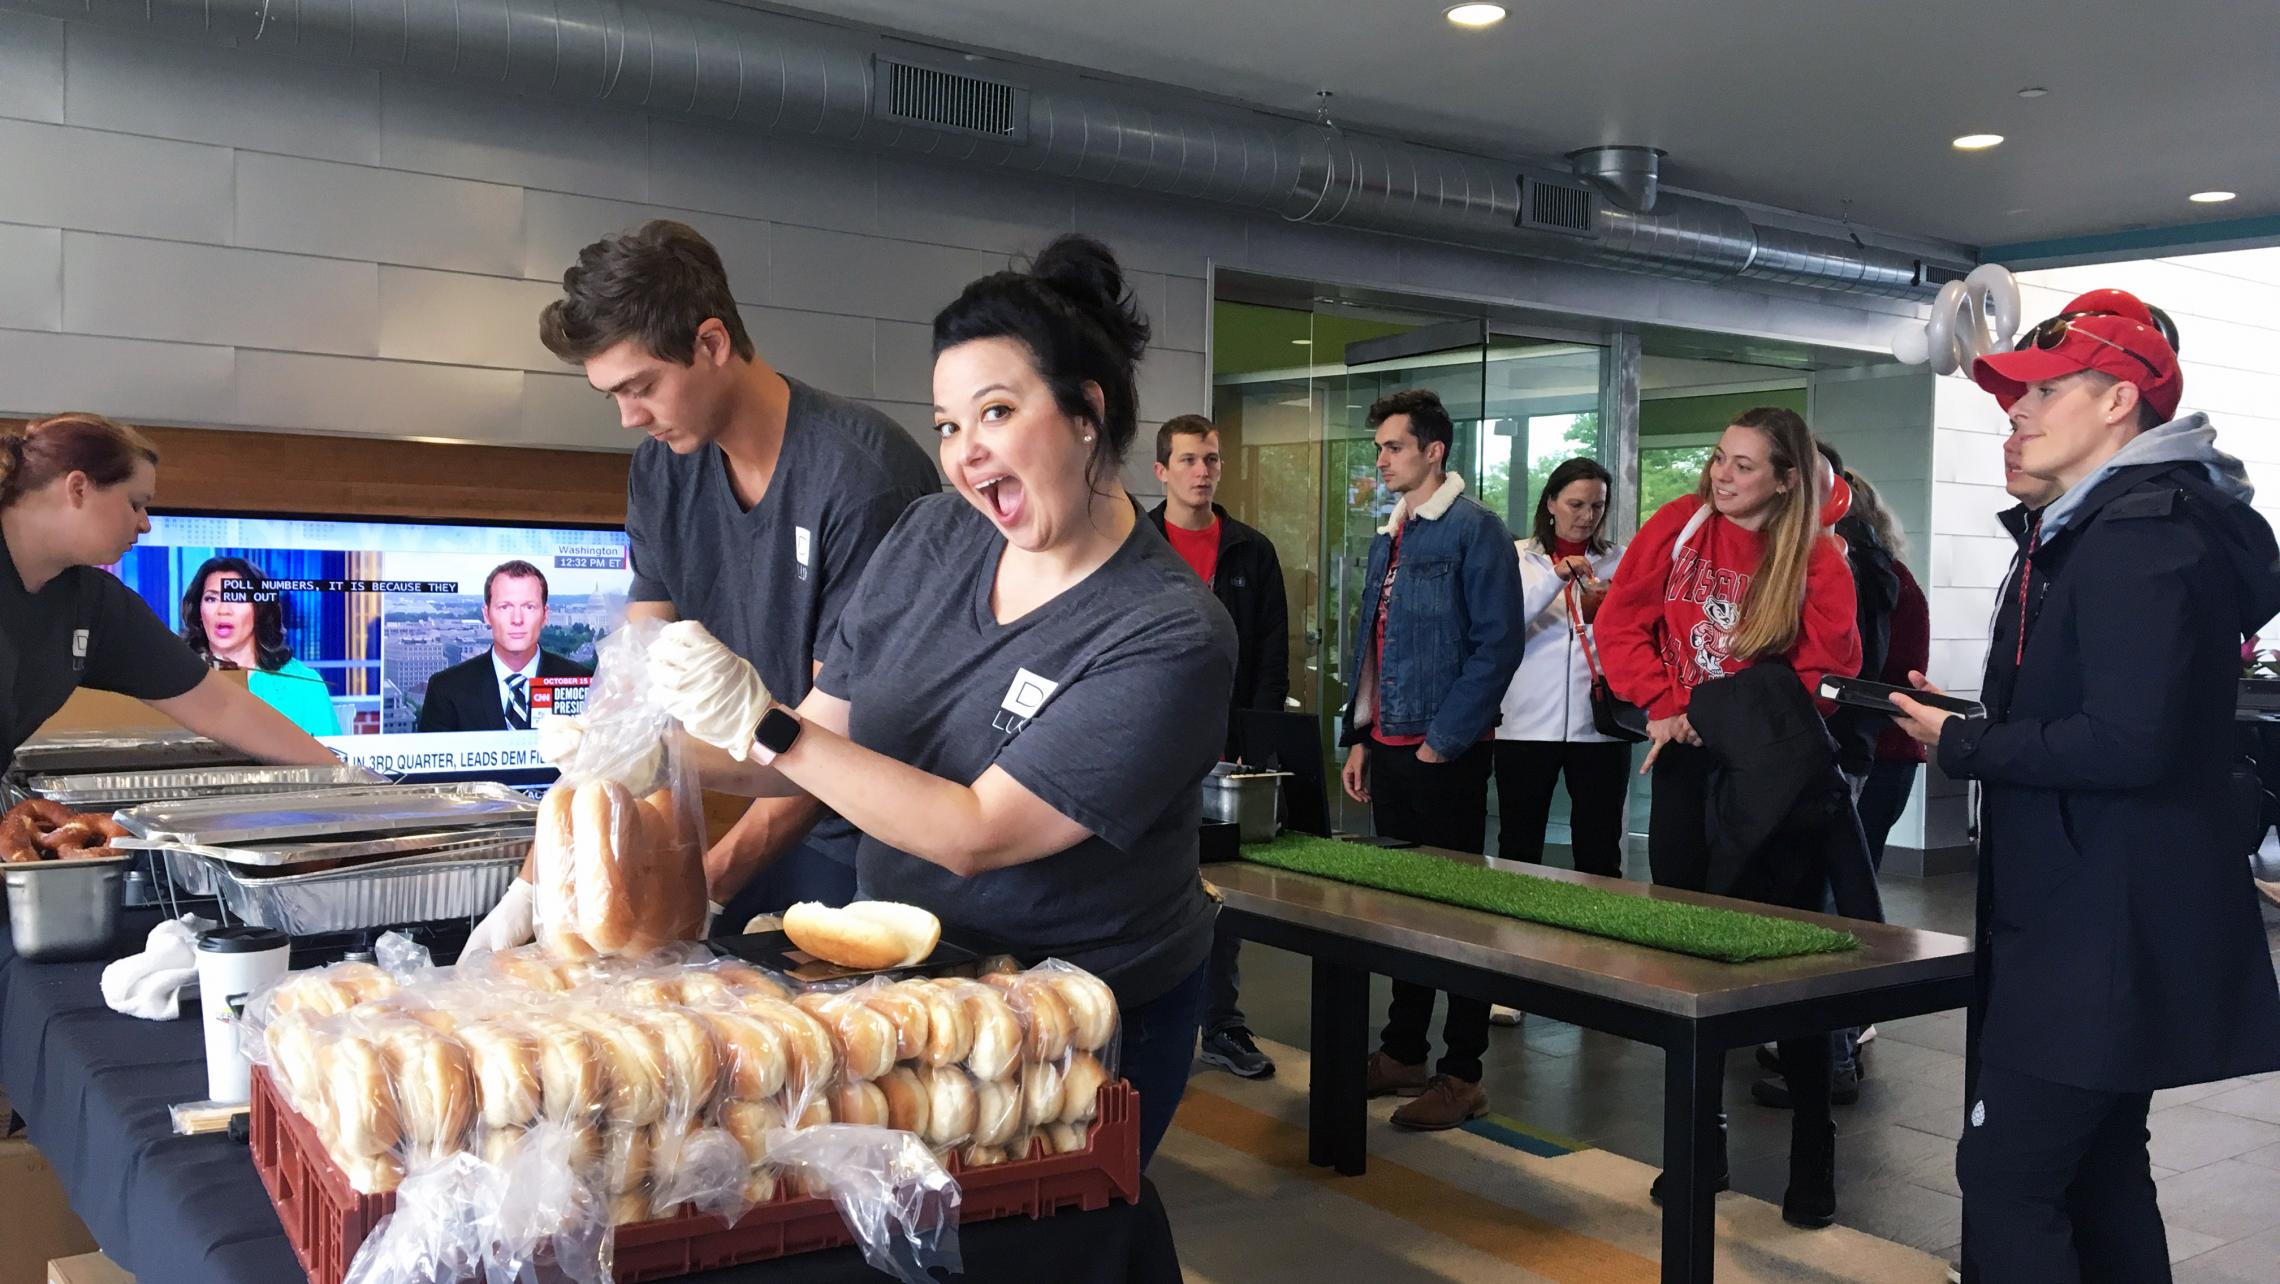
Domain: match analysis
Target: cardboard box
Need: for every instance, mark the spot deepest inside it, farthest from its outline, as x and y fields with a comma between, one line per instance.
x=87, y=1268
x=41, y=1225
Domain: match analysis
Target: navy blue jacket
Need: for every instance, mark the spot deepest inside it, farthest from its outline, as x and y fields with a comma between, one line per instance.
x=2120, y=945
x=1453, y=635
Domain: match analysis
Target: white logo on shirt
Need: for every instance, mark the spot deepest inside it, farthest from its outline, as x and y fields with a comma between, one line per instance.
x=1978, y=1114
x=803, y=541
x=78, y=649
x=1023, y=699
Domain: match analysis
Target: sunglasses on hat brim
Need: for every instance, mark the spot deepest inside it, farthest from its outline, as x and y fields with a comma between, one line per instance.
x=2048, y=335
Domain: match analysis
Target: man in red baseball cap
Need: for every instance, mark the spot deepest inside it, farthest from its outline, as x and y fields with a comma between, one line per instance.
x=2120, y=946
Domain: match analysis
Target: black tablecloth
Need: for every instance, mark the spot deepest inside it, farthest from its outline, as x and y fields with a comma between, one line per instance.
x=94, y=1087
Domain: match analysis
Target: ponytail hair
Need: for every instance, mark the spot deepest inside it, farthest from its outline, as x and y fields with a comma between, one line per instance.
x=75, y=441
x=1075, y=313
x=1773, y=608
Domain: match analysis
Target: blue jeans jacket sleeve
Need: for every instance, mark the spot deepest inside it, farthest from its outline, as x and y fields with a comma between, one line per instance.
x=1495, y=635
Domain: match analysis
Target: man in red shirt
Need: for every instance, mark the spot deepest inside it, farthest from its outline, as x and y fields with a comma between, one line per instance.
x=1240, y=565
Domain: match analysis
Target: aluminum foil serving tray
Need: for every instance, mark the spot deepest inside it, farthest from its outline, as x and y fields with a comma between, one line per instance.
x=415, y=889
x=114, y=789
x=382, y=809
x=119, y=751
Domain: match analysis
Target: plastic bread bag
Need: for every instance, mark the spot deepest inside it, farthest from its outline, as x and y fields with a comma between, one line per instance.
x=525, y=1213
x=705, y=1168
x=357, y=1113
x=863, y=1037
x=894, y=1196
x=618, y=858
x=998, y=1036
x=1095, y=1026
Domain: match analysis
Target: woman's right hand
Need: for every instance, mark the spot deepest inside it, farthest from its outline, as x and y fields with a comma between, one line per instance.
x=1662, y=731
x=1568, y=568
x=1356, y=776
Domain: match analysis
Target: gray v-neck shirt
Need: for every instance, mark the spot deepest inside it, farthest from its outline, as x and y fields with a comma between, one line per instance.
x=1109, y=702
x=771, y=581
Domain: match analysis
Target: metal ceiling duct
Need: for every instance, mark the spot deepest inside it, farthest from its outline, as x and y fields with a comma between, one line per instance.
x=1631, y=177
x=795, y=77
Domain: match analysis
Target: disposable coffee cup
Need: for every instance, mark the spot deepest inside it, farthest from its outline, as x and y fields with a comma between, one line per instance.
x=233, y=962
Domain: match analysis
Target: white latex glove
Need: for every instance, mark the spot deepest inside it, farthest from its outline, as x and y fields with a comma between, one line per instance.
x=507, y=925
x=714, y=691
x=559, y=738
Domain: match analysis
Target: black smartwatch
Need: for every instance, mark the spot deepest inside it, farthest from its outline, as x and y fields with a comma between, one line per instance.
x=778, y=729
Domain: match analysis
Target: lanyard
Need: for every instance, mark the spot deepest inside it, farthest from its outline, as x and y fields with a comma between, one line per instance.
x=2026, y=574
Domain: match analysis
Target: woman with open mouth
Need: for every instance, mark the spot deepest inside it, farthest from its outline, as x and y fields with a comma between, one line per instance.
x=1029, y=685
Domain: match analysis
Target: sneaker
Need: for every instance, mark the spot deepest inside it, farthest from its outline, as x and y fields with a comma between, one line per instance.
x=1498, y=1014
x=1955, y=1273
x=1387, y=1077
x=1233, y=1051
x=1446, y=1103
x=1867, y=1036
x=1773, y=1090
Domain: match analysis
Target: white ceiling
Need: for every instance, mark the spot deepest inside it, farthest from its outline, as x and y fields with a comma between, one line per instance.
x=1830, y=107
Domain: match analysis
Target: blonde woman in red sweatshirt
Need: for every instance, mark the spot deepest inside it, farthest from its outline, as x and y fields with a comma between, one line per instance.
x=1739, y=573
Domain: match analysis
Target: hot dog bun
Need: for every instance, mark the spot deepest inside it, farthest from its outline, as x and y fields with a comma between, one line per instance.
x=868, y=935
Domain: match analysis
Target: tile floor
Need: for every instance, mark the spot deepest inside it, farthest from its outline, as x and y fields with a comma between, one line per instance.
x=2216, y=1147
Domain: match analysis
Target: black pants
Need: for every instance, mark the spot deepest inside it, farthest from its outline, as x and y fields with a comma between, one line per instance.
x=2057, y=1186
x=1882, y=800
x=1439, y=804
x=1597, y=773
x=1678, y=851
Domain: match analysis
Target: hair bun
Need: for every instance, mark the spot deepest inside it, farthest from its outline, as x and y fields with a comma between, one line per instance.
x=1085, y=272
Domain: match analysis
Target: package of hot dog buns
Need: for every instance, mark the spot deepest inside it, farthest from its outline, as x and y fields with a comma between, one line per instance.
x=675, y=1081
x=618, y=861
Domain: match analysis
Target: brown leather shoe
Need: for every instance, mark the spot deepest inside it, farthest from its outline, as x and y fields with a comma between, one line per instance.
x=1389, y=1078
x=1446, y=1103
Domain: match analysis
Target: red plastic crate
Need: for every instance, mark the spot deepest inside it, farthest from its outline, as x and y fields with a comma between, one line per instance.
x=326, y=1221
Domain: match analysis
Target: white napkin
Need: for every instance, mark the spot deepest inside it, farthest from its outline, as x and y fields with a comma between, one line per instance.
x=145, y=985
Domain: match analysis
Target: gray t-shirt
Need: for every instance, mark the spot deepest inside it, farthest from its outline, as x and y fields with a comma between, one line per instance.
x=771, y=582
x=1109, y=702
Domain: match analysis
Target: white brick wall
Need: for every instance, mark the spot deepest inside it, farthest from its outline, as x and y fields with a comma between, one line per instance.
x=193, y=234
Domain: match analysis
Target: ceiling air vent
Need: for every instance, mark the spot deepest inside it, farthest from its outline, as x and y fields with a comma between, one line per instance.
x=1550, y=205
x=951, y=101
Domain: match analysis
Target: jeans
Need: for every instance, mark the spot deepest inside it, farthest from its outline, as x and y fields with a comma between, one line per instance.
x=1881, y=802
x=1444, y=805
x=1222, y=1009
x=1157, y=1049
x=1597, y=776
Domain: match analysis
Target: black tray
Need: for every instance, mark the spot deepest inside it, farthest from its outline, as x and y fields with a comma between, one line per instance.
x=775, y=951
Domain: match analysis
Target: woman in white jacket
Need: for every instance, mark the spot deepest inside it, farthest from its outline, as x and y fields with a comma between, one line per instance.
x=1546, y=731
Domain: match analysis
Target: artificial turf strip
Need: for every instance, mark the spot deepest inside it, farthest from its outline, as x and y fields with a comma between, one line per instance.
x=1729, y=936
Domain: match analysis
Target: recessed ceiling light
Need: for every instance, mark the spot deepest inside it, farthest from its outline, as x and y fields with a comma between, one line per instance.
x=1977, y=142
x=1303, y=343
x=1475, y=16
x=2033, y=91
x=2211, y=198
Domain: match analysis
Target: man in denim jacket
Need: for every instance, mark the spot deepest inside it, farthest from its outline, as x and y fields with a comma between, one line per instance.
x=1435, y=646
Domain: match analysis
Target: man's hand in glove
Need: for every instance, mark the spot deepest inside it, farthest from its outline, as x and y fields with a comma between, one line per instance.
x=713, y=691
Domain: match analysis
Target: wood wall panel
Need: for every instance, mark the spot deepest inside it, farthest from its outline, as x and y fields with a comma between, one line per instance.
x=320, y=475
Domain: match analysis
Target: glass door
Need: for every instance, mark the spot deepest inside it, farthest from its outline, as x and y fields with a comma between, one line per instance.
x=1520, y=406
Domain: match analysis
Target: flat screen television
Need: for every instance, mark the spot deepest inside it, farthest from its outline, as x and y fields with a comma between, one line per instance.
x=379, y=636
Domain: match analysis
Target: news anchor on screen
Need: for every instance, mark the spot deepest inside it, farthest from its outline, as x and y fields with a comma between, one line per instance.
x=492, y=692
x=245, y=629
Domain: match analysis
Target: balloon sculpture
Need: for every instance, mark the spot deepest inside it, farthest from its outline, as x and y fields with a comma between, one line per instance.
x=1970, y=318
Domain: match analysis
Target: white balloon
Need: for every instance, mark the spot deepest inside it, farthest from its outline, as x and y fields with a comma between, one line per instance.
x=1995, y=292
x=1908, y=344
x=1940, y=330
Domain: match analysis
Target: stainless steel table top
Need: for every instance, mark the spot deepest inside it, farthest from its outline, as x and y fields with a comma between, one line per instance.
x=1636, y=974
